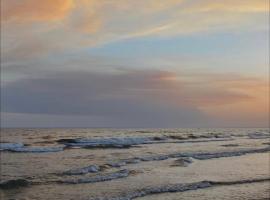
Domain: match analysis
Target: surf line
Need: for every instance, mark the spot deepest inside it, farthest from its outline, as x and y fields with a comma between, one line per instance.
x=181, y=187
x=198, y=156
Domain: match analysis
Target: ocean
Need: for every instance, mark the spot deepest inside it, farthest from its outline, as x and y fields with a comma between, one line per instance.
x=143, y=164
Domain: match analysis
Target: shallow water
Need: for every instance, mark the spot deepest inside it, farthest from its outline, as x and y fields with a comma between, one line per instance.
x=254, y=191
x=149, y=158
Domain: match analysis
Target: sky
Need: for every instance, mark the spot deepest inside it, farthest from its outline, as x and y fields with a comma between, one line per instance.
x=127, y=63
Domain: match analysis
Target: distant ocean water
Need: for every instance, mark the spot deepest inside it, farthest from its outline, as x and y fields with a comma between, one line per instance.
x=135, y=163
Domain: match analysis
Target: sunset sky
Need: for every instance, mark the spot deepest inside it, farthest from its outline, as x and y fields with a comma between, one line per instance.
x=135, y=63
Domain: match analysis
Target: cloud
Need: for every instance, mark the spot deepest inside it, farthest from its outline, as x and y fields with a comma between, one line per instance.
x=38, y=36
x=136, y=97
x=246, y=6
x=65, y=25
x=253, y=111
x=127, y=99
x=35, y=11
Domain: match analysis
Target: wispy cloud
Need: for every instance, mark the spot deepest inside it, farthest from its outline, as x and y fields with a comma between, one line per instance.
x=65, y=24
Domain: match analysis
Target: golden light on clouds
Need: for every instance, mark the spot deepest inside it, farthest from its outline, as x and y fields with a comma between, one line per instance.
x=138, y=33
x=232, y=98
x=245, y=6
x=35, y=11
x=98, y=22
x=254, y=106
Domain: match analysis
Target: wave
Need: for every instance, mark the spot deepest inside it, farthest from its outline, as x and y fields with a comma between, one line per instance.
x=8, y=146
x=258, y=135
x=84, y=170
x=19, y=147
x=127, y=142
x=99, y=178
x=114, y=142
x=12, y=184
x=182, y=187
x=198, y=156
